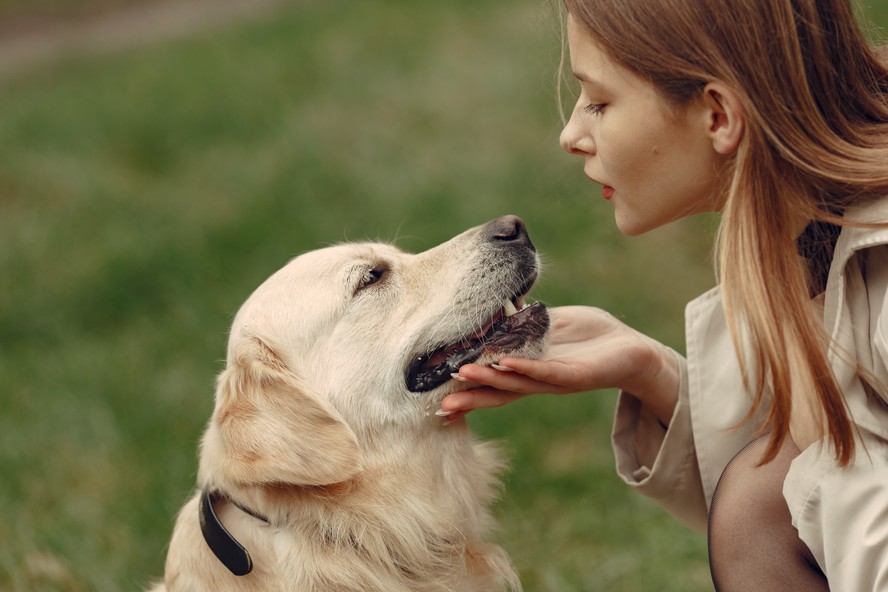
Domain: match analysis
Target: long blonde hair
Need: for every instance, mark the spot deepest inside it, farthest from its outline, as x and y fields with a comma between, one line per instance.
x=815, y=97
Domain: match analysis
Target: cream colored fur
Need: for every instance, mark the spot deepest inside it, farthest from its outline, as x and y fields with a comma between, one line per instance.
x=364, y=487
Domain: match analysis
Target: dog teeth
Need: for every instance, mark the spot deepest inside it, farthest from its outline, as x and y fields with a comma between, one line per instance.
x=509, y=308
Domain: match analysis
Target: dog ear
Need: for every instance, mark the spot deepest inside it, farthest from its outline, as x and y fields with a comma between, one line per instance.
x=272, y=430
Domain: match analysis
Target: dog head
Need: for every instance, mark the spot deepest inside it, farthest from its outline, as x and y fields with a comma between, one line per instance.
x=348, y=343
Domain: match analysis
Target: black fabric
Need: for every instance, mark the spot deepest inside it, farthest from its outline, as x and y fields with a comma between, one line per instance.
x=223, y=545
x=753, y=546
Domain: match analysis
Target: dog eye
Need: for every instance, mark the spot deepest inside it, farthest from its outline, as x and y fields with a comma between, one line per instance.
x=372, y=276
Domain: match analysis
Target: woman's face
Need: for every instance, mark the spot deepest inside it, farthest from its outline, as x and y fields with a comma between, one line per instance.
x=655, y=161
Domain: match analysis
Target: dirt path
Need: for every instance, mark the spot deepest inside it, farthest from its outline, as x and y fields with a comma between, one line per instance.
x=27, y=44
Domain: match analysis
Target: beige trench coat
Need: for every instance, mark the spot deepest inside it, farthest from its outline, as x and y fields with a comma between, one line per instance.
x=840, y=513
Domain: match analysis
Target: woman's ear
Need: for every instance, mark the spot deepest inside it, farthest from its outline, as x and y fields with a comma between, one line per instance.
x=725, y=117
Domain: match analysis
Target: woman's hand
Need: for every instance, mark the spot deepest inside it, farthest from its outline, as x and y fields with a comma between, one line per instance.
x=588, y=349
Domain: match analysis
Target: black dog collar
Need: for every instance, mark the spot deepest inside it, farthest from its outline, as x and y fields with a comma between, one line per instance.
x=224, y=546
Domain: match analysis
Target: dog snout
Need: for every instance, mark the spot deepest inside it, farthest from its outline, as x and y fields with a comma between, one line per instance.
x=508, y=229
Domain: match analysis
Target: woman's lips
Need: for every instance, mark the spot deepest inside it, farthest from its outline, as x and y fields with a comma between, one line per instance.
x=606, y=190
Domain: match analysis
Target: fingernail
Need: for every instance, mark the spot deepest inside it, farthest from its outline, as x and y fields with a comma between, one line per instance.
x=501, y=368
x=455, y=376
x=442, y=413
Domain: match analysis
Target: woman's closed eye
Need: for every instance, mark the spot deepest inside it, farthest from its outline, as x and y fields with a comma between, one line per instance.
x=594, y=108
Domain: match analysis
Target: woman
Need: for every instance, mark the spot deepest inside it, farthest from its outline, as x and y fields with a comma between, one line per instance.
x=774, y=113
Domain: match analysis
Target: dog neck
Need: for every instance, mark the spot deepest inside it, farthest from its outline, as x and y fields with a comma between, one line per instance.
x=440, y=516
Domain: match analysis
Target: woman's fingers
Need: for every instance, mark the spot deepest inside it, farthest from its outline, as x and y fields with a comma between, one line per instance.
x=500, y=386
x=508, y=378
x=480, y=398
x=547, y=373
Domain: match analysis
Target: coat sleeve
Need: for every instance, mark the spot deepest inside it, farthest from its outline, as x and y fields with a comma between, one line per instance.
x=661, y=462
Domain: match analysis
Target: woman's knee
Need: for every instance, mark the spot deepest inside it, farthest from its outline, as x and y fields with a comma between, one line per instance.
x=748, y=488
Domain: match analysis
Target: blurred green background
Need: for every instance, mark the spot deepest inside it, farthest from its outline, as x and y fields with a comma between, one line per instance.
x=145, y=193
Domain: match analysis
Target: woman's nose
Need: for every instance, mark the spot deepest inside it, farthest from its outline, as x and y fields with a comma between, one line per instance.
x=575, y=138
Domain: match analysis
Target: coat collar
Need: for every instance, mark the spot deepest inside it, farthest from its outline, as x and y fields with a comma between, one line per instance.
x=852, y=240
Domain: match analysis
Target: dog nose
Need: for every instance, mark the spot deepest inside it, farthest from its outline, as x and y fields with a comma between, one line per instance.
x=508, y=229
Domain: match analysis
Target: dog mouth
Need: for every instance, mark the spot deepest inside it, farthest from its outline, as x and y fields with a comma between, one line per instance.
x=510, y=328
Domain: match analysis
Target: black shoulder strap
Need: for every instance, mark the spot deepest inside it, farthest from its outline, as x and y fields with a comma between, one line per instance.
x=223, y=545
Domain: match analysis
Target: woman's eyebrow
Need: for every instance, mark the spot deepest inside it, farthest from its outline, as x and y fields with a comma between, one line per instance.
x=582, y=77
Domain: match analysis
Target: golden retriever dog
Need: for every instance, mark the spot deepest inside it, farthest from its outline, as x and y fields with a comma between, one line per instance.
x=324, y=467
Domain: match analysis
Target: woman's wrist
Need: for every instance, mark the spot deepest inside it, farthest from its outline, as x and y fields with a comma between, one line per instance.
x=659, y=385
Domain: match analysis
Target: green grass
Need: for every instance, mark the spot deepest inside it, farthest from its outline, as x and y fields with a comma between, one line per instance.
x=143, y=196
